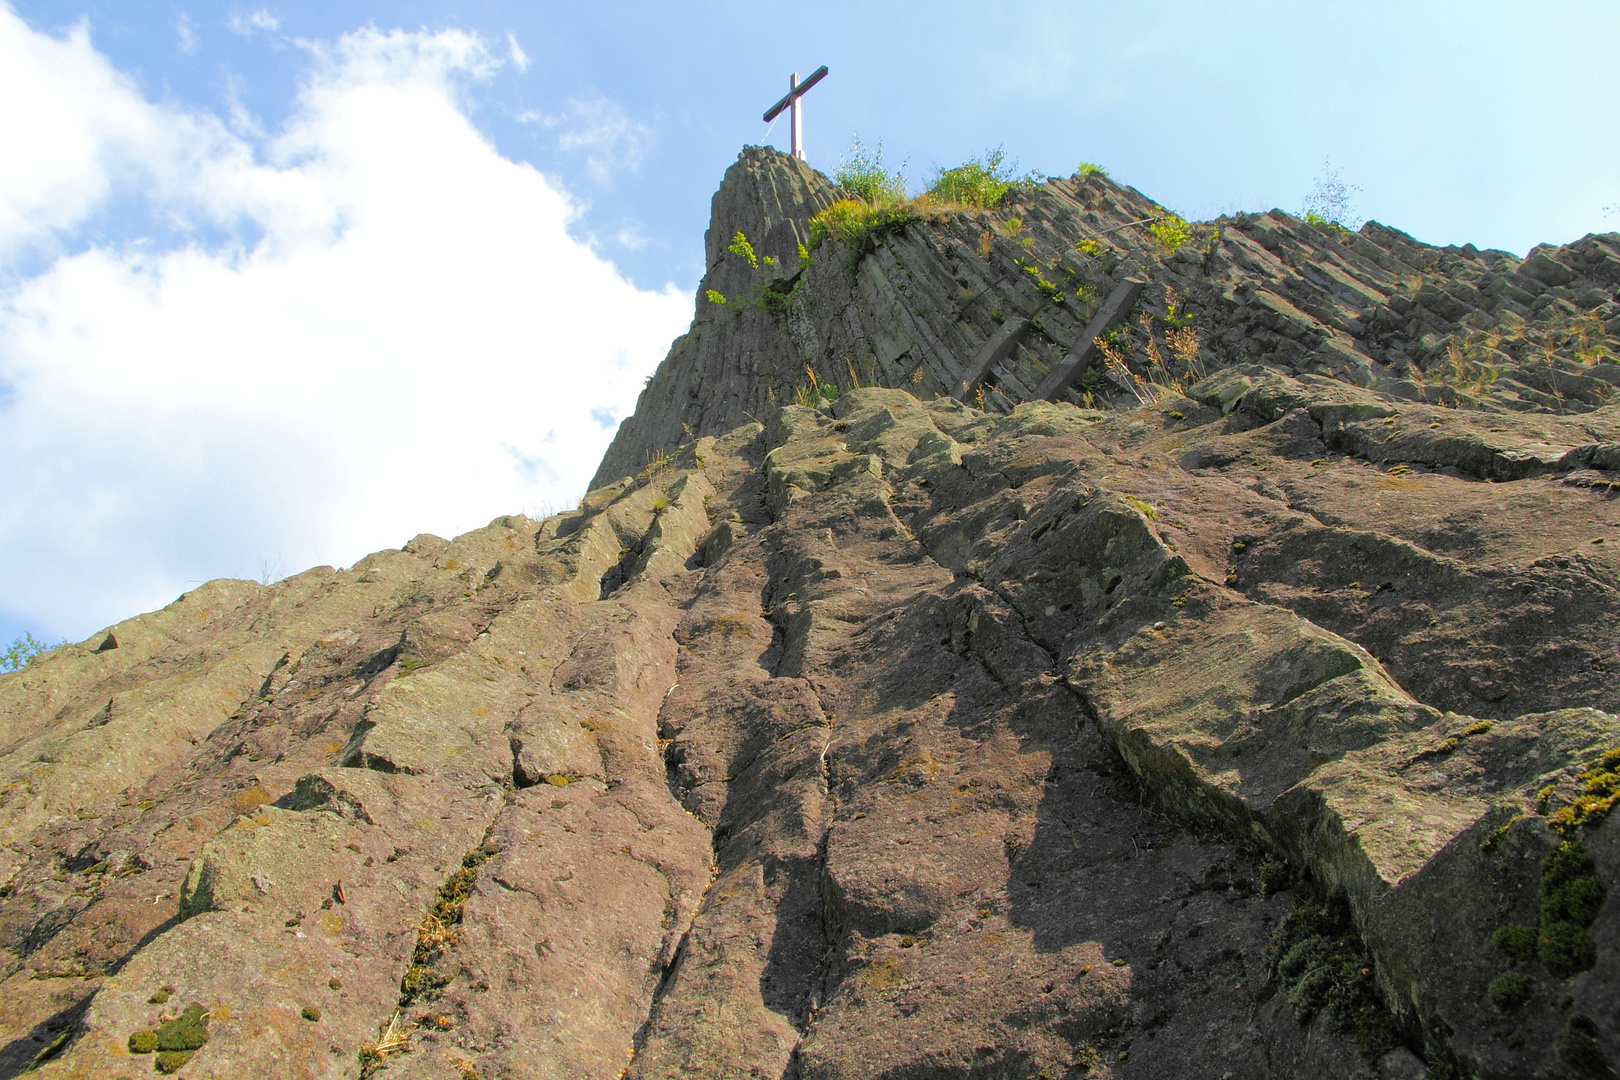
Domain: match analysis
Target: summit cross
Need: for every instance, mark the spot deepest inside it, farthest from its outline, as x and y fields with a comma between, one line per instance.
x=796, y=90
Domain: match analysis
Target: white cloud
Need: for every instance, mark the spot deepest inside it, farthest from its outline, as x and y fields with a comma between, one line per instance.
x=401, y=336
x=515, y=53
x=601, y=131
x=185, y=33
x=253, y=22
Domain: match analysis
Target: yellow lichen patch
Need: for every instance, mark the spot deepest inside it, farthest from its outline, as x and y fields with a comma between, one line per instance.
x=884, y=973
x=1600, y=791
x=249, y=799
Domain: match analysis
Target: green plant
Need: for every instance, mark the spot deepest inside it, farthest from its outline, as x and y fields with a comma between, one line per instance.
x=980, y=182
x=859, y=225
x=1089, y=246
x=816, y=393
x=862, y=173
x=1086, y=170
x=1323, y=965
x=1170, y=232
x=310, y=1013
x=715, y=297
x=21, y=651
x=1509, y=991
x=143, y=1042
x=740, y=246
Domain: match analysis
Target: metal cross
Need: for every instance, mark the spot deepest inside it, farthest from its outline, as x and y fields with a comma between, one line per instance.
x=796, y=90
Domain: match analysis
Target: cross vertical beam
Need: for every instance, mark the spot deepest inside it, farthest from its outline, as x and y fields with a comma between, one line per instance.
x=798, y=117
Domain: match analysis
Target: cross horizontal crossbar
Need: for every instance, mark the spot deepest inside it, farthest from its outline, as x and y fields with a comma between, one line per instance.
x=815, y=77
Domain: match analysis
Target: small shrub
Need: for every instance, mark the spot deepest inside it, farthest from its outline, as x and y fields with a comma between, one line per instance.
x=1324, y=966
x=21, y=651
x=1516, y=942
x=1086, y=170
x=980, y=182
x=714, y=296
x=862, y=173
x=1170, y=232
x=1509, y=991
x=1089, y=246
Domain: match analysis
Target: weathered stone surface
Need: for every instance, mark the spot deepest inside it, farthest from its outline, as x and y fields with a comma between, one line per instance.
x=1213, y=737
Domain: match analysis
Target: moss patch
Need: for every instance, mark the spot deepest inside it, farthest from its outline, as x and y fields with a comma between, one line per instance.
x=143, y=1042
x=188, y=1031
x=170, y=1061
x=1509, y=991
x=423, y=980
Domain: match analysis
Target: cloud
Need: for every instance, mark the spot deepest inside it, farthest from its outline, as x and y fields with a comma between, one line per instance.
x=185, y=33
x=600, y=131
x=250, y=24
x=515, y=53
x=364, y=325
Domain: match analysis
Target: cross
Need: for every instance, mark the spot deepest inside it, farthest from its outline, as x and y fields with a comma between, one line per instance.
x=796, y=90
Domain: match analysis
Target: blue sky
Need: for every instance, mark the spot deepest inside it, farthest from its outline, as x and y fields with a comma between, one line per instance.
x=282, y=284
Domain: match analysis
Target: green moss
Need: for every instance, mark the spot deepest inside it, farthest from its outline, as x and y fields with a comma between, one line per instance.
x=160, y=995
x=310, y=1013
x=1571, y=894
x=1509, y=991
x=1516, y=942
x=1578, y=1048
x=1565, y=950
x=422, y=981
x=188, y=1031
x=172, y=1060
x=143, y=1042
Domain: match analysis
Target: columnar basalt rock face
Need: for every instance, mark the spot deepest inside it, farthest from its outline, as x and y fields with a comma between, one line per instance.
x=1373, y=308
x=900, y=737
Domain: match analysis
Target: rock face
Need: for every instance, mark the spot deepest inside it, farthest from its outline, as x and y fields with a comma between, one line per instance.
x=1373, y=308
x=1263, y=729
